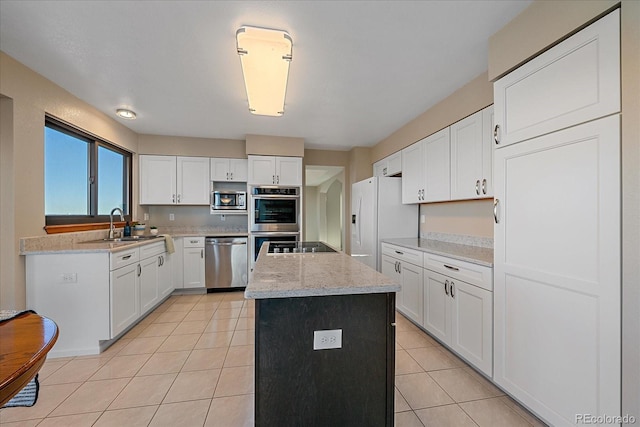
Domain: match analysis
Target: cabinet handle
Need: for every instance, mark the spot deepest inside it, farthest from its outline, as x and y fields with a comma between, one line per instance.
x=451, y=288
x=495, y=210
x=277, y=179
x=496, y=134
x=446, y=290
x=126, y=257
x=159, y=262
x=178, y=198
x=273, y=179
x=478, y=187
x=227, y=176
x=384, y=171
x=484, y=186
x=173, y=198
x=139, y=270
x=399, y=267
x=193, y=241
x=395, y=266
x=399, y=253
x=201, y=253
x=451, y=268
x=231, y=176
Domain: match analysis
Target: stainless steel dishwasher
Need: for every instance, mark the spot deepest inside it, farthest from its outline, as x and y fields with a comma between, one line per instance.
x=225, y=262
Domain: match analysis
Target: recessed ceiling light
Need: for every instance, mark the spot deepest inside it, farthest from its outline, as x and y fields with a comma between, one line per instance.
x=125, y=114
x=265, y=56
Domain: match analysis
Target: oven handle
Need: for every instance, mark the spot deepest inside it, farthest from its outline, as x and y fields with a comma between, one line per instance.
x=275, y=196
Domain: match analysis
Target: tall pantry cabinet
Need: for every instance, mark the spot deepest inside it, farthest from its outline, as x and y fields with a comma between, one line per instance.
x=557, y=254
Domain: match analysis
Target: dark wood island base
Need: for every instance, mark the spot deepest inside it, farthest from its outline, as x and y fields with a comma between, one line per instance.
x=296, y=385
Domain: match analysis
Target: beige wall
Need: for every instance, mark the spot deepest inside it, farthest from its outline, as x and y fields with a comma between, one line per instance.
x=31, y=97
x=467, y=217
x=275, y=145
x=472, y=97
x=186, y=146
x=520, y=40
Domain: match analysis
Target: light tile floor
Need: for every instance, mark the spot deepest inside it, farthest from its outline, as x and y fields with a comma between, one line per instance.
x=191, y=363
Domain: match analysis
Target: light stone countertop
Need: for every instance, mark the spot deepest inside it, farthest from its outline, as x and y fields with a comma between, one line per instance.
x=474, y=254
x=313, y=274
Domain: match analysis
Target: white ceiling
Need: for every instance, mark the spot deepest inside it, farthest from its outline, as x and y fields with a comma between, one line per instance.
x=360, y=69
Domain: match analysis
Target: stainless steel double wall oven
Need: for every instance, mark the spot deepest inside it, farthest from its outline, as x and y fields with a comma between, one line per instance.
x=274, y=215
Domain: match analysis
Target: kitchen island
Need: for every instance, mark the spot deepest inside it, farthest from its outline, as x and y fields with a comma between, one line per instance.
x=325, y=341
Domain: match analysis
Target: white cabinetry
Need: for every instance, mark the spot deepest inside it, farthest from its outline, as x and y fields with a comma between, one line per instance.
x=151, y=262
x=405, y=266
x=167, y=180
x=389, y=166
x=193, y=262
x=124, y=300
x=557, y=232
x=425, y=169
x=270, y=170
x=232, y=170
x=459, y=313
x=573, y=82
x=472, y=156
x=177, y=263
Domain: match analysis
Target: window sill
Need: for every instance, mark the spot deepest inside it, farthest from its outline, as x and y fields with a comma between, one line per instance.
x=74, y=228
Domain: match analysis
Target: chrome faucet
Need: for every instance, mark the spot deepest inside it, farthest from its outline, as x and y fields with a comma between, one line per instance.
x=111, y=227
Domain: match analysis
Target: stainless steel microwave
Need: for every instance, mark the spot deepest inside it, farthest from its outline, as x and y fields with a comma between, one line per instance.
x=228, y=200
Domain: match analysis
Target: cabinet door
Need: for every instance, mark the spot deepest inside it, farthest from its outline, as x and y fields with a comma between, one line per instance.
x=194, y=268
x=157, y=180
x=165, y=275
x=262, y=170
x=573, y=82
x=176, y=260
x=390, y=269
x=148, y=284
x=289, y=171
x=380, y=168
x=467, y=158
x=124, y=302
x=471, y=324
x=412, y=168
x=437, y=319
x=394, y=164
x=412, y=291
x=488, y=150
x=238, y=169
x=557, y=271
x=193, y=181
x=436, y=161
x=219, y=169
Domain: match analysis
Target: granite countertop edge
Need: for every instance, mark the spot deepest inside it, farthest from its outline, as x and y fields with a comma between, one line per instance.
x=320, y=292
x=473, y=254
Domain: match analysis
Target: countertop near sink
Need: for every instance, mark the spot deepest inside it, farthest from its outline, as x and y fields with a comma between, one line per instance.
x=478, y=252
x=82, y=242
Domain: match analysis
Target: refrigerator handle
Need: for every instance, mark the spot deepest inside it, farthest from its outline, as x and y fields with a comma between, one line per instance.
x=358, y=225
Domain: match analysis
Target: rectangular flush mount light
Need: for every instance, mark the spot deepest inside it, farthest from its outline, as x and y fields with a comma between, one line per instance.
x=265, y=56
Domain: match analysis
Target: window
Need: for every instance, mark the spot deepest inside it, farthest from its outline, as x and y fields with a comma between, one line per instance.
x=84, y=177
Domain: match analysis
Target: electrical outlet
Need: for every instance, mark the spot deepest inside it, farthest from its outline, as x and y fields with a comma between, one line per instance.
x=69, y=278
x=172, y=217
x=222, y=218
x=422, y=219
x=324, y=340
x=146, y=217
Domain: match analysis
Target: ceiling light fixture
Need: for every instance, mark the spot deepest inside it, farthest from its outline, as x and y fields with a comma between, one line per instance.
x=125, y=114
x=265, y=56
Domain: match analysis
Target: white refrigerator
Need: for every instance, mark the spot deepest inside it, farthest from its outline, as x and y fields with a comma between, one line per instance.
x=377, y=213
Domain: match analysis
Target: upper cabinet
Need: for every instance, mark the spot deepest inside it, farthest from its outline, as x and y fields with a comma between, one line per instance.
x=425, y=169
x=169, y=180
x=472, y=156
x=574, y=82
x=271, y=170
x=232, y=170
x=389, y=166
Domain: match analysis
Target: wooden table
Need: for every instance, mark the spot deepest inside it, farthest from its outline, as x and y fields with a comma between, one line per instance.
x=25, y=341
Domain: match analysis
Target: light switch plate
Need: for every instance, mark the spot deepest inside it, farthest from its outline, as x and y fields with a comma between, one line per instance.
x=328, y=339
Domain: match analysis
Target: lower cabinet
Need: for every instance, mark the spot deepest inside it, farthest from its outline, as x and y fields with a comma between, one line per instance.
x=193, y=262
x=125, y=304
x=452, y=300
x=460, y=315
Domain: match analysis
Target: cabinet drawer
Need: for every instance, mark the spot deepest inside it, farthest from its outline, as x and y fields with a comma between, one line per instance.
x=123, y=258
x=193, y=242
x=475, y=274
x=152, y=249
x=403, y=254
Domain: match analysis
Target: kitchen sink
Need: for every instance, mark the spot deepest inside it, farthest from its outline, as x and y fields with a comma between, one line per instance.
x=123, y=239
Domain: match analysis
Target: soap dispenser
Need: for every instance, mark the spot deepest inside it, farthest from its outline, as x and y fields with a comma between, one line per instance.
x=127, y=229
